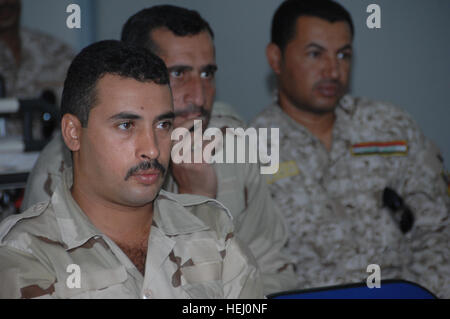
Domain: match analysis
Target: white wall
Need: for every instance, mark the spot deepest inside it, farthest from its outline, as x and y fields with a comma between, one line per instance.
x=406, y=62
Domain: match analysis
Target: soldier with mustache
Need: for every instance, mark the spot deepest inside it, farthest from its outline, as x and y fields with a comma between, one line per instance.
x=358, y=183
x=185, y=42
x=109, y=231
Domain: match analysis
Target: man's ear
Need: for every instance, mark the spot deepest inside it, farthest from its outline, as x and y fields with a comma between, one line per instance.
x=274, y=57
x=71, y=131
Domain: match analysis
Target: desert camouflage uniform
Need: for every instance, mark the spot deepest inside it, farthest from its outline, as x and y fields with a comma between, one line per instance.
x=192, y=253
x=43, y=66
x=240, y=188
x=332, y=201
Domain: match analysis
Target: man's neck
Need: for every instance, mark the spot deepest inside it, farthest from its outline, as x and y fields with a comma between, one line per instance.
x=11, y=38
x=318, y=124
x=127, y=226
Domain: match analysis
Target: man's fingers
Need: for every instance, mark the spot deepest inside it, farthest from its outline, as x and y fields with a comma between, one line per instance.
x=201, y=150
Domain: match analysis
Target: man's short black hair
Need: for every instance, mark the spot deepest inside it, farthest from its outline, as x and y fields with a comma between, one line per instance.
x=99, y=59
x=285, y=18
x=180, y=21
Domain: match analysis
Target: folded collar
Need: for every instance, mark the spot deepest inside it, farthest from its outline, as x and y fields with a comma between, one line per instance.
x=170, y=214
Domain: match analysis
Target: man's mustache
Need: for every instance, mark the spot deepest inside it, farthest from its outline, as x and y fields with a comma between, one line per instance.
x=328, y=82
x=143, y=166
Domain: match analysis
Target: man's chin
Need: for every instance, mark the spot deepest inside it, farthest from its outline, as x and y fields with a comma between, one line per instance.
x=141, y=201
x=142, y=196
x=320, y=109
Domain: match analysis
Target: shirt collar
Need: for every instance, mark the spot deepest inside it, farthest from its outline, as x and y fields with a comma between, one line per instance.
x=347, y=104
x=290, y=125
x=75, y=227
x=344, y=110
x=171, y=214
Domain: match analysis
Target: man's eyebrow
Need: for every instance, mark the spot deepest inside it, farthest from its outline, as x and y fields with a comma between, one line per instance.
x=315, y=45
x=125, y=116
x=318, y=46
x=167, y=115
x=210, y=68
x=346, y=47
x=179, y=68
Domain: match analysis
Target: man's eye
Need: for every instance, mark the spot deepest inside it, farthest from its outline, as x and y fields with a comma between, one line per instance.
x=344, y=55
x=314, y=54
x=207, y=74
x=125, y=126
x=176, y=73
x=165, y=125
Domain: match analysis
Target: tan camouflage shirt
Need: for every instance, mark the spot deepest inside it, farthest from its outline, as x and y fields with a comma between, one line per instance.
x=192, y=253
x=241, y=189
x=44, y=64
x=332, y=201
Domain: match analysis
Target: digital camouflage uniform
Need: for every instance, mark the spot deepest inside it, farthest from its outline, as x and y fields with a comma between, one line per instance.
x=332, y=201
x=192, y=253
x=44, y=63
x=241, y=189
x=43, y=66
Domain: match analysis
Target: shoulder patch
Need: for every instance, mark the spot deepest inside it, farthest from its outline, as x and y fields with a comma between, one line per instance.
x=389, y=148
x=285, y=170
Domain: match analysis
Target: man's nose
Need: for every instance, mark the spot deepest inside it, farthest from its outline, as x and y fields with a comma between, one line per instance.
x=331, y=68
x=147, y=146
x=195, y=92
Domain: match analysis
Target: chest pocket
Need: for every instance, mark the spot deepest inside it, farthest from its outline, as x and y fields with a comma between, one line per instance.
x=202, y=278
x=100, y=284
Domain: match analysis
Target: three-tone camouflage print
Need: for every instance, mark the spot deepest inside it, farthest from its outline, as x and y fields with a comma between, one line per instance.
x=192, y=253
x=258, y=222
x=332, y=201
x=43, y=66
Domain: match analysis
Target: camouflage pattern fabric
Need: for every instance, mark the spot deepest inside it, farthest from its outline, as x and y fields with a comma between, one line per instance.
x=241, y=189
x=43, y=66
x=332, y=201
x=192, y=253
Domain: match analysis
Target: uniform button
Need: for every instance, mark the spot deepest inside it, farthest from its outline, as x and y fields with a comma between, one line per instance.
x=147, y=294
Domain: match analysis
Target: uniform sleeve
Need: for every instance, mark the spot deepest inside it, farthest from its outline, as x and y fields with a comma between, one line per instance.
x=46, y=173
x=40, y=185
x=261, y=227
x=425, y=192
x=23, y=276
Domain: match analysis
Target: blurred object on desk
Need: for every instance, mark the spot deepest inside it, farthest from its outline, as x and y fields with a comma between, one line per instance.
x=19, y=152
x=15, y=166
x=38, y=118
x=10, y=201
